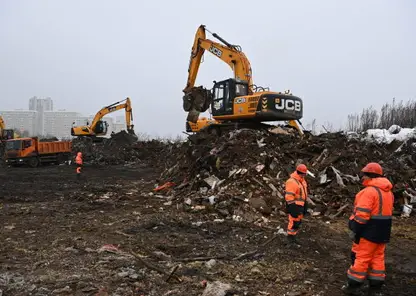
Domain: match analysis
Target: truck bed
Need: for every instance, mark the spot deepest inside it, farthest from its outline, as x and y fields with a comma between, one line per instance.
x=54, y=147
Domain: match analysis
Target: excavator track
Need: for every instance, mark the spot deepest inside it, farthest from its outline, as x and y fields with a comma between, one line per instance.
x=219, y=129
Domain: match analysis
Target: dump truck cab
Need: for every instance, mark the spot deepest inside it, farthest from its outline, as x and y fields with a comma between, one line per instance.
x=19, y=148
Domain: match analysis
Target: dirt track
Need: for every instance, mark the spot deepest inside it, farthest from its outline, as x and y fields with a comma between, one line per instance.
x=53, y=227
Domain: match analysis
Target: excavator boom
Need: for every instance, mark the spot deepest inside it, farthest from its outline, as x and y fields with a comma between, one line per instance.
x=230, y=54
x=198, y=99
x=2, y=124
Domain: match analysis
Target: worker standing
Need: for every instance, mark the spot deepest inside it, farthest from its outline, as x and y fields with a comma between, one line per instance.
x=296, y=201
x=78, y=161
x=370, y=226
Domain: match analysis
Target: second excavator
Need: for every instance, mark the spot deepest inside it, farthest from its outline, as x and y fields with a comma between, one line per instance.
x=236, y=101
x=6, y=134
x=98, y=127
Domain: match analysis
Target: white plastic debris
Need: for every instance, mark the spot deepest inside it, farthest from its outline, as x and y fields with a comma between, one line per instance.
x=310, y=174
x=394, y=129
x=407, y=210
x=212, y=181
x=188, y=201
x=203, y=190
x=212, y=199
x=259, y=167
x=260, y=143
x=384, y=136
x=237, y=218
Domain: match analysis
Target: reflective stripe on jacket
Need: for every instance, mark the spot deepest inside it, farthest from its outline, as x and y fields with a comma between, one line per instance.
x=78, y=160
x=373, y=209
x=296, y=190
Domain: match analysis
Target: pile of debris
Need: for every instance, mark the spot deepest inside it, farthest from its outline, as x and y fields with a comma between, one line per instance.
x=252, y=165
x=122, y=148
x=118, y=149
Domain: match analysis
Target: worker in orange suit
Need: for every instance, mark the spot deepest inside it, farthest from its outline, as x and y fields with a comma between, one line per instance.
x=296, y=201
x=370, y=226
x=78, y=161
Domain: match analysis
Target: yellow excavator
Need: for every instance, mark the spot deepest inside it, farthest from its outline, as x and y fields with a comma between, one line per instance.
x=235, y=102
x=6, y=134
x=98, y=127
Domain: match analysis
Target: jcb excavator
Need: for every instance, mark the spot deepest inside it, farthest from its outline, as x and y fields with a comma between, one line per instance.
x=235, y=101
x=6, y=134
x=99, y=127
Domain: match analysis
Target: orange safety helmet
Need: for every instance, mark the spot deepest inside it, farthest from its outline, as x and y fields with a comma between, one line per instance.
x=373, y=168
x=301, y=168
x=79, y=154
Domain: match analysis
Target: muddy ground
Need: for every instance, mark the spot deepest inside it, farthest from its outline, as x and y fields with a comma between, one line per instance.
x=54, y=232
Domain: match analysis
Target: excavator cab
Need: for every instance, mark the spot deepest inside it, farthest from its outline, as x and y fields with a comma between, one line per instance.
x=224, y=94
x=101, y=128
x=7, y=134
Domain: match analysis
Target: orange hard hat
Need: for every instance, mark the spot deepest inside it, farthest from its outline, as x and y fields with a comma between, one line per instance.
x=79, y=154
x=373, y=168
x=302, y=168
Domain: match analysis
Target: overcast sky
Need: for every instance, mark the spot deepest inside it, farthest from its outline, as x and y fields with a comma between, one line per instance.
x=338, y=56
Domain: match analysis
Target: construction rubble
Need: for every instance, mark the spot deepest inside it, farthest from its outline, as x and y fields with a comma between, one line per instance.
x=249, y=167
x=204, y=216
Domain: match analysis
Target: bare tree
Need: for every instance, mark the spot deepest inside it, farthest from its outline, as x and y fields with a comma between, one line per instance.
x=390, y=113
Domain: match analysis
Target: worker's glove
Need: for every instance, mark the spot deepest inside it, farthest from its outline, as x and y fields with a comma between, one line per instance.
x=305, y=209
x=352, y=235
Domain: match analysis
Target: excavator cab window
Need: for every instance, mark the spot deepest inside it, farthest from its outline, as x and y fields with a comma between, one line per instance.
x=101, y=127
x=223, y=98
x=241, y=89
x=225, y=92
x=8, y=134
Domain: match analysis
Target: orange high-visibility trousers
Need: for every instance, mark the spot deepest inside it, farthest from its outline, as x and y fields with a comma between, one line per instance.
x=367, y=261
x=294, y=224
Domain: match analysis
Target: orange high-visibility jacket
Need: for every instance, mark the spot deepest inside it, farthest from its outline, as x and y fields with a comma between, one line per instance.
x=373, y=209
x=78, y=159
x=296, y=190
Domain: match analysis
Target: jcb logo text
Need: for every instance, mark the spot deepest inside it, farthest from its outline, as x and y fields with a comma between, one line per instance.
x=215, y=51
x=287, y=104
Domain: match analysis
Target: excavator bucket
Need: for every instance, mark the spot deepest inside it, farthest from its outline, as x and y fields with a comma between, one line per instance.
x=294, y=124
x=195, y=101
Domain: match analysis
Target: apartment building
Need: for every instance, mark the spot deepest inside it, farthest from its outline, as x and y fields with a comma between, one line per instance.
x=21, y=120
x=42, y=120
x=59, y=123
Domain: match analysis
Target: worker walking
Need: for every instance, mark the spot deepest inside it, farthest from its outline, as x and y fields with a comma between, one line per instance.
x=78, y=161
x=296, y=201
x=370, y=226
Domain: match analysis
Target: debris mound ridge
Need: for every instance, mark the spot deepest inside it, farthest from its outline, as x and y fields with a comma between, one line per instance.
x=246, y=164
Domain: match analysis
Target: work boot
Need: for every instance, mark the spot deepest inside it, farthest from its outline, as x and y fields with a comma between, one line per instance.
x=352, y=288
x=293, y=241
x=375, y=288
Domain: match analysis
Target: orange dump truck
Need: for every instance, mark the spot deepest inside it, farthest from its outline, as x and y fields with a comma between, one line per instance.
x=33, y=152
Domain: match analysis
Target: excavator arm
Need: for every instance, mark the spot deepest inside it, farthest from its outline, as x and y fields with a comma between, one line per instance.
x=228, y=53
x=198, y=99
x=2, y=124
x=112, y=108
x=97, y=129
